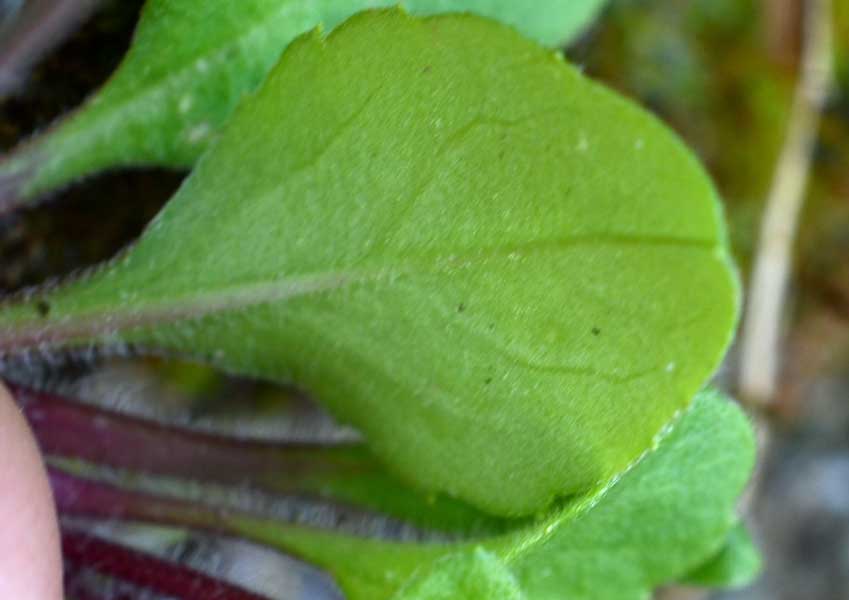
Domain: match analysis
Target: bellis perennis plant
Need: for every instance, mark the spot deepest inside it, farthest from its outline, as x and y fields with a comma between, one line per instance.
x=513, y=282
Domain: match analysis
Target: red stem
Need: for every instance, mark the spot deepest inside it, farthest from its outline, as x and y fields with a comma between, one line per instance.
x=84, y=497
x=146, y=571
x=328, y=473
x=71, y=429
x=86, y=594
x=77, y=496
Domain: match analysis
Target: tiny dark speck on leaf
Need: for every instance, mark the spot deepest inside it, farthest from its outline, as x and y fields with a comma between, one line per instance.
x=461, y=308
x=426, y=69
x=43, y=308
x=596, y=331
x=488, y=380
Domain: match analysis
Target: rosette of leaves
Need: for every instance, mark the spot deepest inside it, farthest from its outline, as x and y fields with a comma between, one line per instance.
x=511, y=280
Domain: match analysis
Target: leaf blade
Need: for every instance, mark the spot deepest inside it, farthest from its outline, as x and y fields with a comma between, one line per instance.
x=522, y=278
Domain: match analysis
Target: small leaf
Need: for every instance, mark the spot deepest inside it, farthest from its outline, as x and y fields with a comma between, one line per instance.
x=472, y=575
x=737, y=564
x=671, y=511
x=506, y=276
x=190, y=64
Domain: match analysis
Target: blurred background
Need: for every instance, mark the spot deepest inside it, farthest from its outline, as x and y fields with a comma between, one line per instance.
x=722, y=73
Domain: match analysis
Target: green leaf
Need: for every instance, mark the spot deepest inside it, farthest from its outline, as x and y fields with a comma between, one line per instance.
x=472, y=575
x=192, y=61
x=349, y=474
x=506, y=276
x=737, y=564
x=671, y=511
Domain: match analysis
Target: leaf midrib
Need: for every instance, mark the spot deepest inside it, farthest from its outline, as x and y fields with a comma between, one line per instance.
x=95, y=321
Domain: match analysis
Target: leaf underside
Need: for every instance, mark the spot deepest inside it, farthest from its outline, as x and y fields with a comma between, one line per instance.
x=507, y=277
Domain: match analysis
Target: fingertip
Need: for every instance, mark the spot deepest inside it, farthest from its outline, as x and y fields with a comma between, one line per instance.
x=30, y=556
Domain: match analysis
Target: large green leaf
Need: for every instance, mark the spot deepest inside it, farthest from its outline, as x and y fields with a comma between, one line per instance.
x=670, y=512
x=506, y=276
x=193, y=60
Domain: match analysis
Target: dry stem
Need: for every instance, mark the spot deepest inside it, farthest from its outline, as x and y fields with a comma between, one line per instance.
x=768, y=286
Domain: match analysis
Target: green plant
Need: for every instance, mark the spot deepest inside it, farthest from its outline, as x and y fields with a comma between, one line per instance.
x=164, y=108
x=512, y=281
